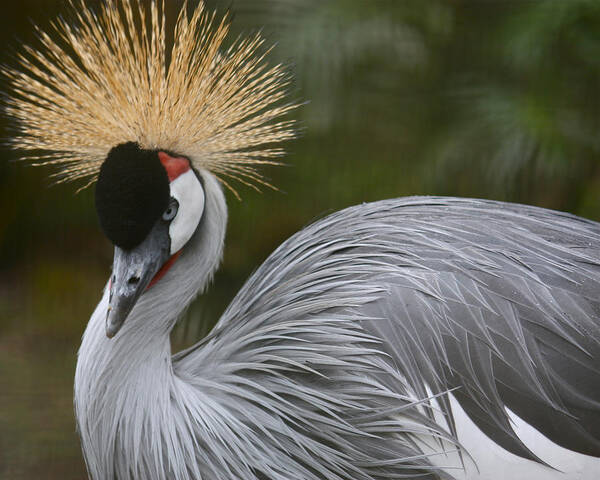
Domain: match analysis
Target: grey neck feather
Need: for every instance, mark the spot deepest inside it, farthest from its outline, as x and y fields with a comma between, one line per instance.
x=124, y=387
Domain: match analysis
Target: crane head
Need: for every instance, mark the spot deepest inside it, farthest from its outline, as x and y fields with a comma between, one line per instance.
x=149, y=204
x=112, y=96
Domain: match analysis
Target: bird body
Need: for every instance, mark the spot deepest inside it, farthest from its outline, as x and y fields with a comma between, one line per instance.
x=413, y=338
x=326, y=364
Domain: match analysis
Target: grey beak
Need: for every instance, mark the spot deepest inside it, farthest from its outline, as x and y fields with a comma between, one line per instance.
x=133, y=270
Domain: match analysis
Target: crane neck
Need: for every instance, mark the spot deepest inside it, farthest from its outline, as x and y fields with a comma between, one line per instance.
x=119, y=382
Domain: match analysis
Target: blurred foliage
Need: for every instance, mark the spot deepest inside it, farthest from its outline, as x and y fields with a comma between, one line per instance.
x=495, y=99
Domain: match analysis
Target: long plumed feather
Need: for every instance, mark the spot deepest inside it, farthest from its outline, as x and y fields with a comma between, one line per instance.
x=113, y=79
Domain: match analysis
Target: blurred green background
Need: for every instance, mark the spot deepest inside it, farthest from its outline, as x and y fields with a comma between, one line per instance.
x=494, y=99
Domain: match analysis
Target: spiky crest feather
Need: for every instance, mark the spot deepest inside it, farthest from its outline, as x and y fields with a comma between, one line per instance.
x=112, y=79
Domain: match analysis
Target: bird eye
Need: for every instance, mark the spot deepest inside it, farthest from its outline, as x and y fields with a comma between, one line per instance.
x=171, y=211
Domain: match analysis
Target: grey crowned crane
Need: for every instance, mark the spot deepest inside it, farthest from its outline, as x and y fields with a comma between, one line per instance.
x=420, y=338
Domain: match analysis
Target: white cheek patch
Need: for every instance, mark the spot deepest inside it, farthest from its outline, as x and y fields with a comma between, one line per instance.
x=188, y=191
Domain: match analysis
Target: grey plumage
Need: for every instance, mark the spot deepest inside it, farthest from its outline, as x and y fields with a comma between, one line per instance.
x=495, y=300
x=329, y=362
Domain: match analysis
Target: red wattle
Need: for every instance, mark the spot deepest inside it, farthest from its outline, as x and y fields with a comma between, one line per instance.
x=164, y=269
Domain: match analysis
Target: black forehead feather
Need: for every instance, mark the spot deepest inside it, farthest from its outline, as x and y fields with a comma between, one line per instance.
x=131, y=194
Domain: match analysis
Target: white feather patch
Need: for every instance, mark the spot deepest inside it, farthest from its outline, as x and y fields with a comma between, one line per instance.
x=188, y=191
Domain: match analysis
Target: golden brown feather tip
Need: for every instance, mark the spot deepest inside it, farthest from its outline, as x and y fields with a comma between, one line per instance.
x=110, y=78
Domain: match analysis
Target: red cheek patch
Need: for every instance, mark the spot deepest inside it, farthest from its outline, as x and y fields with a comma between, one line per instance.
x=174, y=166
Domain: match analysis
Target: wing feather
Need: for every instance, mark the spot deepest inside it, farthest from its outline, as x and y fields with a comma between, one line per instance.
x=497, y=302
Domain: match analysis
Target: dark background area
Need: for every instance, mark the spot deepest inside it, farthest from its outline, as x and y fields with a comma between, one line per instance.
x=493, y=99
